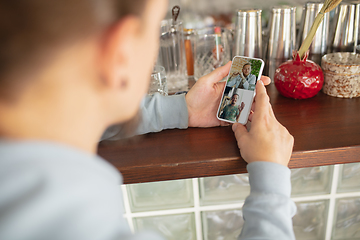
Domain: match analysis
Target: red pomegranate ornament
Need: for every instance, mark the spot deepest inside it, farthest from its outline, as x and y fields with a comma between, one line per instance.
x=299, y=78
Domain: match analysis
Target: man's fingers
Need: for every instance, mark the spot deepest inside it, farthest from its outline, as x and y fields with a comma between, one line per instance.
x=251, y=114
x=266, y=80
x=224, y=124
x=221, y=86
x=239, y=130
x=261, y=100
x=253, y=106
x=219, y=73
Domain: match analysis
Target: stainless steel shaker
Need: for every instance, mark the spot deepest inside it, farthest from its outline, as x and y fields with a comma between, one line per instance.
x=357, y=24
x=357, y=21
x=345, y=28
x=248, y=33
x=321, y=41
x=282, y=38
x=282, y=33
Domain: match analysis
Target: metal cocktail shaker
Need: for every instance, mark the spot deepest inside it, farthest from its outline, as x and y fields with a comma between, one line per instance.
x=248, y=33
x=282, y=33
x=345, y=27
x=282, y=37
x=320, y=43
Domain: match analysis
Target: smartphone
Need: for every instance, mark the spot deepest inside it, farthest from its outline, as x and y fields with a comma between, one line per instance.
x=239, y=91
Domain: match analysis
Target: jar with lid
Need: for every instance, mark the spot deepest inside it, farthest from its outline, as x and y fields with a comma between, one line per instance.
x=341, y=74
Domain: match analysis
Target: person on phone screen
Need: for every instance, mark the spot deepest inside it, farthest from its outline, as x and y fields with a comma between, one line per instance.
x=73, y=72
x=248, y=79
x=244, y=80
x=232, y=111
x=234, y=81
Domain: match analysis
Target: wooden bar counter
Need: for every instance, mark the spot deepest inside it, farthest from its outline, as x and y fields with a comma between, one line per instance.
x=326, y=131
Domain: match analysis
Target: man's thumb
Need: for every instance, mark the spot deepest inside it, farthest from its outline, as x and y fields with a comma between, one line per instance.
x=219, y=73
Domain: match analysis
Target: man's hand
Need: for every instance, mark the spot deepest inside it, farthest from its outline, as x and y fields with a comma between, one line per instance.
x=241, y=106
x=204, y=98
x=267, y=139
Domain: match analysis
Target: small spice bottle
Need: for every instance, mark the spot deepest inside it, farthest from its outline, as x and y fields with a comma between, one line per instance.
x=341, y=74
x=189, y=46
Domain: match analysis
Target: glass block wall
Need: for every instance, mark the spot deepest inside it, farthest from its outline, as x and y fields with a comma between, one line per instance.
x=327, y=200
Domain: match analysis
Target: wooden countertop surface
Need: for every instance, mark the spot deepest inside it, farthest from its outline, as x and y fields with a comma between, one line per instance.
x=326, y=131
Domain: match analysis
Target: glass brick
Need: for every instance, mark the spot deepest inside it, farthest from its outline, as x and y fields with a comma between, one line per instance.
x=222, y=225
x=310, y=181
x=347, y=219
x=349, y=179
x=172, y=227
x=160, y=195
x=224, y=189
x=310, y=220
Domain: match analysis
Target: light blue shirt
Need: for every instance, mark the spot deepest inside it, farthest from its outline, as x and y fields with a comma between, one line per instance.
x=251, y=79
x=53, y=191
x=246, y=81
x=235, y=81
x=158, y=112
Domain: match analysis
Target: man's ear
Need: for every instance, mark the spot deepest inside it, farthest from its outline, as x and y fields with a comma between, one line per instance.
x=117, y=45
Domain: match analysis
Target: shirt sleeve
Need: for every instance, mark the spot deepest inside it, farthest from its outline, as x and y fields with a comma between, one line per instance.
x=163, y=112
x=238, y=81
x=268, y=210
x=231, y=82
x=158, y=112
x=252, y=79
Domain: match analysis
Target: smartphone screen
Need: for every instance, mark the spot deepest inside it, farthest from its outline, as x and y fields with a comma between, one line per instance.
x=239, y=91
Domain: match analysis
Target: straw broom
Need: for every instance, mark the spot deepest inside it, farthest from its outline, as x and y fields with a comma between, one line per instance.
x=327, y=7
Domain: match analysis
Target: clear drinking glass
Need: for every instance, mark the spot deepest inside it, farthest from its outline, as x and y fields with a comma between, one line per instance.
x=158, y=81
x=212, y=50
x=172, y=55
